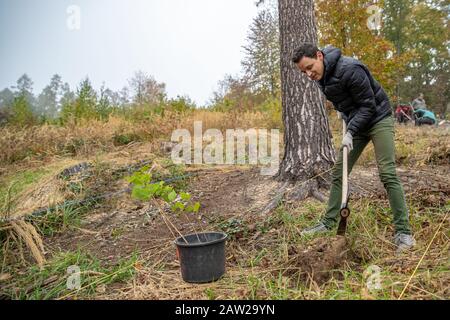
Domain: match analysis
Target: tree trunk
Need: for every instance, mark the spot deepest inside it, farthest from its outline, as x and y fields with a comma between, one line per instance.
x=307, y=137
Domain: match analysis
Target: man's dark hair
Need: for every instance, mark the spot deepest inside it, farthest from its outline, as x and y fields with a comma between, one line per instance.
x=306, y=49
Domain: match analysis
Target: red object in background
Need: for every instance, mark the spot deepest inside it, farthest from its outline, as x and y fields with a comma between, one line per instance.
x=406, y=109
x=404, y=113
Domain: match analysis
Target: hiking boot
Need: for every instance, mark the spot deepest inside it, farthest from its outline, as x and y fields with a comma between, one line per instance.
x=404, y=242
x=318, y=228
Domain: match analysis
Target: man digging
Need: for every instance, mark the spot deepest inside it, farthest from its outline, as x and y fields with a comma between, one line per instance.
x=366, y=110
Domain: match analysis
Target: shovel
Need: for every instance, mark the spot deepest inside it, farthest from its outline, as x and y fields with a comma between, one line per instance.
x=345, y=211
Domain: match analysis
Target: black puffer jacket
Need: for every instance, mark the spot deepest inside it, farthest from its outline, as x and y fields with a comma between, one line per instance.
x=348, y=84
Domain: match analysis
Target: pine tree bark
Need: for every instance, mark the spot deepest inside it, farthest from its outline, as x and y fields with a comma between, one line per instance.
x=307, y=137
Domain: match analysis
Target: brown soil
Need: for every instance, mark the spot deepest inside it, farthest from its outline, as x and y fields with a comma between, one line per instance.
x=228, y=191
x=320, y=260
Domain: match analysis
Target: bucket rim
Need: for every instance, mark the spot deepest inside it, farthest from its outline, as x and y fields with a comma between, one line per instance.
x=180, y=242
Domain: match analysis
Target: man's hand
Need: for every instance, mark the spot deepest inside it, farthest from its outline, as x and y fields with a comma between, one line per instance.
x=348, y=141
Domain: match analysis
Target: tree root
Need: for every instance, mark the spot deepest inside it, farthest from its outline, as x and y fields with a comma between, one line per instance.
x=319, y=196
x=297, y=191
x=276, y=200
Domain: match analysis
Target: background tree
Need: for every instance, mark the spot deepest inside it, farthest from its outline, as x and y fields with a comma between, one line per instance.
x=108, y=102
x=113, y=98
x=408, y=54
x=49, y=99
x=395, y=15
x=234, y=93
x=6, y=101
x=84, y=105
x=426, y=35
x=21, y=112
x=6, y=98
x=67, y=97
x=262, y=54
x=23, y=104
x=181, y=104
x=24, y=87
x=146, y=89
x=124, y=97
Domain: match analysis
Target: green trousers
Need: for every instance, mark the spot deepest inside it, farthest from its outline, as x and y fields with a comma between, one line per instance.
x=382, y=136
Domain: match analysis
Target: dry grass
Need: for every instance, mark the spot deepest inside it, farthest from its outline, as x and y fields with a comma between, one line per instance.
x=87, y=138
x=36, y=188
x=46, y=141
x=32, y=240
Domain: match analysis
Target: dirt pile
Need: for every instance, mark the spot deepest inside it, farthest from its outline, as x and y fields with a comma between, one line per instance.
x=319, y=260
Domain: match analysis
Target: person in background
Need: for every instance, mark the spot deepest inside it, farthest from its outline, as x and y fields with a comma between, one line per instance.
x=404, y=113
x=424, y=117
x=419, y=102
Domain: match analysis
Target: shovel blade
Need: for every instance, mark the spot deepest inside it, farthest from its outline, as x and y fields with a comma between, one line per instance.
x=342, y=227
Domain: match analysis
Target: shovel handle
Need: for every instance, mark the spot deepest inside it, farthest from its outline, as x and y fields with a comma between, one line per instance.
x=344, y=170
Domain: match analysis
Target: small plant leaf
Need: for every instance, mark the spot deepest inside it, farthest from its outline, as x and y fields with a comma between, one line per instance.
x=172, y=195
x=139, y=178
x=154, y=188
x=141, y=193
x=177, y=206
x=185, y=196
x=196, y=206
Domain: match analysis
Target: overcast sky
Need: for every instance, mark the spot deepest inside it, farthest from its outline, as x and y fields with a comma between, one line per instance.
x=188, y=44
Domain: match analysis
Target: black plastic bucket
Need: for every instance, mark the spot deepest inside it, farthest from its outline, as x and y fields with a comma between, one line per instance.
x=202, y=261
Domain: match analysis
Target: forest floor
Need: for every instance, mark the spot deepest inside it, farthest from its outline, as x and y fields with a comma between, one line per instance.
x=124, y=249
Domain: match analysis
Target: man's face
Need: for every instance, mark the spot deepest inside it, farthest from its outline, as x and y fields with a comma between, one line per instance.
x=313, y=68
